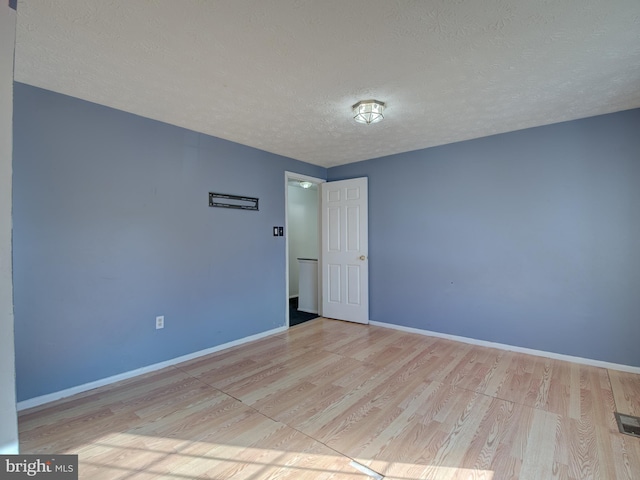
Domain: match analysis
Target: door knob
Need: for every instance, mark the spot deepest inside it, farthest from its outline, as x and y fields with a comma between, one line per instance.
x=362, y=257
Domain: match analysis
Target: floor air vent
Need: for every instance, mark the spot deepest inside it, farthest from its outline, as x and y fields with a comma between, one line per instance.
x=628, y=425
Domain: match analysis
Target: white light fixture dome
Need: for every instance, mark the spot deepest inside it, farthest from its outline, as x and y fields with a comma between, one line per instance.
x=306, y=184
x=368, y=111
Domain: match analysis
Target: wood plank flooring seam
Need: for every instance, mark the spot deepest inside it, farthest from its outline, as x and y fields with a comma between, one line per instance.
x=208, y=384
x=342, y=454
x=450, y=382
x=615, y=401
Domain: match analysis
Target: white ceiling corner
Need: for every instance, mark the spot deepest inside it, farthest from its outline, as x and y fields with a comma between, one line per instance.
x=281, y=75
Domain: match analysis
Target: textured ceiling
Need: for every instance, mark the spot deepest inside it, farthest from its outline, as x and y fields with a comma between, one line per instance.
x=281, y=75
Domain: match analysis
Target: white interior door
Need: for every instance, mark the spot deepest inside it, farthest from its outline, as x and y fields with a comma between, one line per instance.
x=345, y=240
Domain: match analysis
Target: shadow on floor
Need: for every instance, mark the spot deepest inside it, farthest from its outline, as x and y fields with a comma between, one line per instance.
x=295, y=316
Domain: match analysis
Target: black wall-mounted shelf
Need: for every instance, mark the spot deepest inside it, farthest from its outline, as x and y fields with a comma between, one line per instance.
x=224, y=200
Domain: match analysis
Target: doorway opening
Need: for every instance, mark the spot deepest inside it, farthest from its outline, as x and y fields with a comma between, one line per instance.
x=302, y=238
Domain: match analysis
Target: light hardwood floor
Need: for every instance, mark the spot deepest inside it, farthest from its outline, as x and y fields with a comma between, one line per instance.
x=306, y=402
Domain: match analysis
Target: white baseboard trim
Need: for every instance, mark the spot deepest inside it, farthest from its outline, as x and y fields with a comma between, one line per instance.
x=52, y=397
x=512, y=348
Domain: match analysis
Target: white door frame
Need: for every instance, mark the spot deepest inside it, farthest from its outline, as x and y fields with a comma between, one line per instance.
x=302, y=178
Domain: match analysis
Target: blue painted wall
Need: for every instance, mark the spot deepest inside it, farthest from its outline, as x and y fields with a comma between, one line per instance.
x=530, y=238
x=112, y=227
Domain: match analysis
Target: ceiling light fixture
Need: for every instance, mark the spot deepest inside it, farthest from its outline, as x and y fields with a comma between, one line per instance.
x=306, y=184
x=368, y=111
